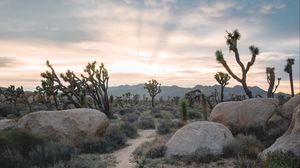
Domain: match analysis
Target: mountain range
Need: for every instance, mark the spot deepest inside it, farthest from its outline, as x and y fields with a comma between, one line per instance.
x=180, y=91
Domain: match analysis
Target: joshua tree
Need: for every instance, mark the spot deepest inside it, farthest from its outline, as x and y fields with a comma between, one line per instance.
x=231, y=41
x=12, y=94
x=288, y=68
x=271, y=80
x=153, y=88
x=193, y=96
x=204, y=106
x=222, y=79
x=95, y=85
x=48, y=88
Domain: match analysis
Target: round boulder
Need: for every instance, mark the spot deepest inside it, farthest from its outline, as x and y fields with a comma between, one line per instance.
x=200, y=135
x=290, y=140
x=289, y=106
x=72, y=124
x=7, y=124
x=244, y=114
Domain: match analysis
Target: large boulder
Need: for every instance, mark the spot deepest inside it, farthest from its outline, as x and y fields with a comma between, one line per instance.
x=290, y=140
x=72, y=124
x=289, y=106
x=200, y=135
x=8, y=124
x=244, y=114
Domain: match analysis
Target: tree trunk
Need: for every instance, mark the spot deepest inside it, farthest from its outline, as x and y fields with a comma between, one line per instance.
x=222, y=95
x=247, y=90
x=55, y=101
x=152, y=101
x=292, y=84
x=270, y=89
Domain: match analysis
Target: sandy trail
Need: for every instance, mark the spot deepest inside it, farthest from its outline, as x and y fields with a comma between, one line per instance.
x=123, y=156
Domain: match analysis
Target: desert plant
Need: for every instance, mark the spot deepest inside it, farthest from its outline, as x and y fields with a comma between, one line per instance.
x=12, y=93
x=282, y=160
x=204, y=107
x=193, y=97
x=95, y=84
x=183, y=110
x=289, y=69
x=153, y=88
x=243, y=145
x=153, y=149
x=231, y=41
x=271, y=81
x=129, y=129
x=114, y=138
x=164, y=126
x=222, y=79
x=146, y=122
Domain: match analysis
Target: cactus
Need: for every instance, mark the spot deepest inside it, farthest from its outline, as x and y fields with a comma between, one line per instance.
x=222, y=79
x=289, y=69
x=231, y=41
x=153, y=88
x=183, y=110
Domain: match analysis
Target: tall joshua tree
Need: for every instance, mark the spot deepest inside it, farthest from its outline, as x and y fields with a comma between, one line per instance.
x=222, y=79
x=231, y=41
x=271, y=80
x=153, y=88
x=288, y=68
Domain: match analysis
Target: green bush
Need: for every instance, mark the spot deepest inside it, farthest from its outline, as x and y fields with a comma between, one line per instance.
x=129, y=129
x=164, y=127
x=22, y=149
x=243, y=145
x=282, y=160
x=146, y=122
x=81, y=163
x=153, y=149
x=201, y=155
x=114, y=138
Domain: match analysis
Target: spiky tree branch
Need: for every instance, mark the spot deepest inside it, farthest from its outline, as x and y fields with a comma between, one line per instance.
x=231, y=41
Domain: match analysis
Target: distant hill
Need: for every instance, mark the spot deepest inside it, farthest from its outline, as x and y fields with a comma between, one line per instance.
x=180, y=91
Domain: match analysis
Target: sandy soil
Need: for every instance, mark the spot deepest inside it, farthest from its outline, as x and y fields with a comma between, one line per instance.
x=123, y=156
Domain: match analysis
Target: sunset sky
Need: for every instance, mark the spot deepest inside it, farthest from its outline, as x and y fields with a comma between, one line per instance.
x=173, y=41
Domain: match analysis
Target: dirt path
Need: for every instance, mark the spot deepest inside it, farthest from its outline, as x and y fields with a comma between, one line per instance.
x=123, y=155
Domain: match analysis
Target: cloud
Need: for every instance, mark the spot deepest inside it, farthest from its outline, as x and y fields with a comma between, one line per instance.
x=8, y=62
x=271, y=8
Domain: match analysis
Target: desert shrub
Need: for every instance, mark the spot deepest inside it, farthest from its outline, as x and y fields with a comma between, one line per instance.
x=5, y=109
x=80, y=163
x=201, y=155
x=131, y=117
x=153, y=149
x=194, y=114
x=21, y=149
x=164, y=127
x=50, y=153
x=114, y=138
x=146, y=122
x=243, y=145
x=244, y=162
x=129, y=129
x=282, y=160
x=155, y=112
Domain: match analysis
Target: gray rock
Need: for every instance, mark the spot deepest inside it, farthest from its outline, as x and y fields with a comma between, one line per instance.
x=290, y=140
x=244, y=114
x=72, y=125
x=198, y=135
x=7, y=124
x=289, y=106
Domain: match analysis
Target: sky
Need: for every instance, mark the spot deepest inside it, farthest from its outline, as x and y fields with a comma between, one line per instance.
x=173, y=41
